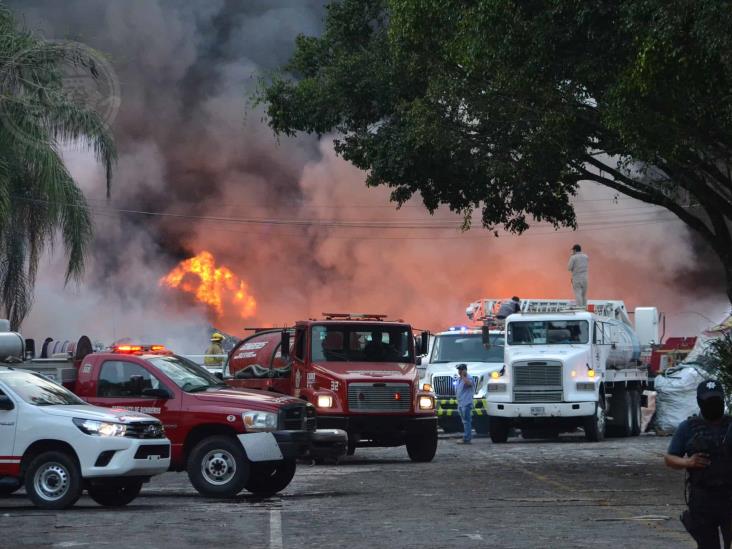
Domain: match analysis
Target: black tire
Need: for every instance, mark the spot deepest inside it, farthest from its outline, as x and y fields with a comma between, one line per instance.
x=595, y=424
x=482, y=425
x=621, y=406
x=53, y=480
x=266, y=478
x=218, y=467
x=637, y=413
x=423, y=447
x=7, y=488
x=351, y=446
x=499, y=430
x=115, y=493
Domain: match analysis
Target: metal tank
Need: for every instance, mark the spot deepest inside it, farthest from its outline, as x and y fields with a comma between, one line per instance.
x=625, y=346
x=12, y=344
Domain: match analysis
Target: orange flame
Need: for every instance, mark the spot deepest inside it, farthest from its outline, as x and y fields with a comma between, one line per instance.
x=215, y=286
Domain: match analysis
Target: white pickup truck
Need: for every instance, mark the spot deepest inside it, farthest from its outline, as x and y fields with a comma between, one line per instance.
x=58, y=445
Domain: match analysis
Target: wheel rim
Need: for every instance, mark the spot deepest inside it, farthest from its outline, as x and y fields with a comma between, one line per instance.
x=218, y=467
x=600, y=420
x=52, y=481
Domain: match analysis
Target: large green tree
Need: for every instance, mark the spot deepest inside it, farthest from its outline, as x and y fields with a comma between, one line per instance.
x=501, y=107
x=38, y=197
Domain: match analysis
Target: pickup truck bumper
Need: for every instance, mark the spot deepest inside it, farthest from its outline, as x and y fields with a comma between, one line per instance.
x=293, y=444
x=541, y=409
x=124, y=457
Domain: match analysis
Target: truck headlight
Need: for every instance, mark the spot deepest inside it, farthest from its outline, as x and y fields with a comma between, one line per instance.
x=426, y=403
x=260, y=421
x=496, y=387
x=100, y=428
x=325, y=401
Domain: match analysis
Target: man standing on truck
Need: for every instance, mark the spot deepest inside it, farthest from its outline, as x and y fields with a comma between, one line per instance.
x=464, y=391
x=579, y=267
x=508, y=308
x=700, y=445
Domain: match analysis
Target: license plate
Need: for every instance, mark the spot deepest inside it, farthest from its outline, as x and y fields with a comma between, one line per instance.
x=537, y=410
x=153, y=458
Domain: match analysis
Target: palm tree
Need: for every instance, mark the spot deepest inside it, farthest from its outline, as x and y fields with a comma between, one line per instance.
x=39, y=200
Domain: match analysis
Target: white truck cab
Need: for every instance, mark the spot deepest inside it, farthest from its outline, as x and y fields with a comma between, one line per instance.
x=57, y=445
x=461, y=345
x=566, y=368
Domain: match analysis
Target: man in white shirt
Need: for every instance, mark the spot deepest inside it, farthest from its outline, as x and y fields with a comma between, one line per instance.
x=579, y=267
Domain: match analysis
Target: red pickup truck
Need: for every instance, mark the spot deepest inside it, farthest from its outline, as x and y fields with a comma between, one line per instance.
x=227, y=439
x=357, y=370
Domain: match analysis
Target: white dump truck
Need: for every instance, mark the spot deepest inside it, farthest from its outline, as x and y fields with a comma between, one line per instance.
x=566, y=367
x=461, y=345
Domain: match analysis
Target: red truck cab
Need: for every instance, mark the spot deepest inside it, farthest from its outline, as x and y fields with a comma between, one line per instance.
x=227, y=439
x=358, y=371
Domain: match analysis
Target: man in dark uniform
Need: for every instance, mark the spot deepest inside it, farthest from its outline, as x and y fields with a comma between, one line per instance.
x=700, y=445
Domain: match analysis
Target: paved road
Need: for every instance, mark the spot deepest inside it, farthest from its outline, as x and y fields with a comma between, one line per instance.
x=543, y=494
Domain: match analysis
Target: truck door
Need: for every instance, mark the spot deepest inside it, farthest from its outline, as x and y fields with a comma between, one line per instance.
x=9, y=464
x=251, y=361
x=124, y=384
x=281, y=369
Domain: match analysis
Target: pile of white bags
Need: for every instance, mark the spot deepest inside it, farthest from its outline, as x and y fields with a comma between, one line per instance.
x=676, y=396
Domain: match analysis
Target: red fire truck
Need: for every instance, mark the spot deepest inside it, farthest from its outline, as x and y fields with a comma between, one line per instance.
x=227, y=439
x=358, y=371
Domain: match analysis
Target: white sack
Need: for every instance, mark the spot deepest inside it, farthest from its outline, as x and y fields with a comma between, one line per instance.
x=676, y=396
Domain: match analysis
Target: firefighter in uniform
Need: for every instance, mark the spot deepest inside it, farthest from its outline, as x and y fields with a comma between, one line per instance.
x=701, y=446
x=215, y=349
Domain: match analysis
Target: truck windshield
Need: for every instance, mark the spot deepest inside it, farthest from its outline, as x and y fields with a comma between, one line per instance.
x=187, y=375
x=548, y=332
x=381, y=343
x=40, y=391
x=466, y=348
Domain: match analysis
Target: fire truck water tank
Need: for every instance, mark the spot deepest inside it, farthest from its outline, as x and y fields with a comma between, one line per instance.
x=12, y=344
x=625, y=347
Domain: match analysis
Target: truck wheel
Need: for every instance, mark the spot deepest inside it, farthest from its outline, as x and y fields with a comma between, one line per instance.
x=116, y=493
x=269, y=477
x=482, y=425
x=53, y=480
x=637, y=413
x=218, y=467
x=499, y=430
x=594, y=425
x=621, y=406
x=422, y=448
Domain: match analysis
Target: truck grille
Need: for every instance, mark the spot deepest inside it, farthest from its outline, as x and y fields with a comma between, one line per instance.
x=537, y=381
x=444, y=385
x=145, y=429
x=298, y=417
x=379, y=397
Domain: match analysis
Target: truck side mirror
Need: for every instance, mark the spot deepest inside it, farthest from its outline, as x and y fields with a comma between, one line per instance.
x=285, y=345
x=6, y=403
x=156, y=393
x=485, y=336
x=424, y=343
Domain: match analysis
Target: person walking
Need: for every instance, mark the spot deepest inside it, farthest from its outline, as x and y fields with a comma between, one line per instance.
x=213, y=356
x=700, y=445
x=464, y=390
x=579, y=267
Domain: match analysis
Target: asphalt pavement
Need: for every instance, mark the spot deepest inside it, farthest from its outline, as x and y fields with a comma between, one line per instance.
x=561, y=493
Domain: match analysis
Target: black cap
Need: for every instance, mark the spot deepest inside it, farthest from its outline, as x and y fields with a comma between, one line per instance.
x=709, y=389
x=576, y=248
x=461, y=367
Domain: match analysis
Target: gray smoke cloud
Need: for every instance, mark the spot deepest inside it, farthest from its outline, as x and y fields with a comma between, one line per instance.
x=189, y=144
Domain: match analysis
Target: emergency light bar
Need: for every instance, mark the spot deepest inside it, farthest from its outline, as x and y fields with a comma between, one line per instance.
x=353, y=316
x=126, y=349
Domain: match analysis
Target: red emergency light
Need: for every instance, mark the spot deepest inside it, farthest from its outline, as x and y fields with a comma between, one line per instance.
x=139, y=349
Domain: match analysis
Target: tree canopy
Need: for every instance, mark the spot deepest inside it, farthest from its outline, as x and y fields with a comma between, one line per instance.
x=38, y=196
x=503, y=107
